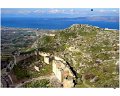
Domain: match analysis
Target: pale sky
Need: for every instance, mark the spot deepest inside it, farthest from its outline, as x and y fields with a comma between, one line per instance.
x=59, y=12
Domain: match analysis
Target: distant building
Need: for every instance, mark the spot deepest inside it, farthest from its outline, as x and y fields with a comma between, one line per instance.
x=50, y=35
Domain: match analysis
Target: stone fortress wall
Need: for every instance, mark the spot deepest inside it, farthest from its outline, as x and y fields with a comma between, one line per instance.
x=19, y=57
x=60, y=68
x=63, y=72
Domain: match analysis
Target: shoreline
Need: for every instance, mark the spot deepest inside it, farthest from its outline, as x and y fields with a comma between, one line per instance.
x=54, y=29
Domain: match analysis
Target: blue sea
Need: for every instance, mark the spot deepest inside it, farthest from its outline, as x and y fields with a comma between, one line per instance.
x=53, y=23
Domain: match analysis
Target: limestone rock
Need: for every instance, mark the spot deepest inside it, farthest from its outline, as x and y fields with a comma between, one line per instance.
x=94, y=79
x=36, y=68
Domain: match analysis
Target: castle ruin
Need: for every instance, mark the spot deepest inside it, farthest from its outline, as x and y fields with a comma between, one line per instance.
x=60, y=68
x=63, y=72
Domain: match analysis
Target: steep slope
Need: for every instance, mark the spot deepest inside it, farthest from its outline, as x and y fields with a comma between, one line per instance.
x=92, y=52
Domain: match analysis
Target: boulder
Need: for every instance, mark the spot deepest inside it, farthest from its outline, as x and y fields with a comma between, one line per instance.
x=36, y=68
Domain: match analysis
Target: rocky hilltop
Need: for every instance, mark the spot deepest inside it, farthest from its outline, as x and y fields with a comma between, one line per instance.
x=92, y=53
x=79, y=56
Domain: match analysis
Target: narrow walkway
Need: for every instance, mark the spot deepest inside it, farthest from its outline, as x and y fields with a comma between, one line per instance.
x=34, y=79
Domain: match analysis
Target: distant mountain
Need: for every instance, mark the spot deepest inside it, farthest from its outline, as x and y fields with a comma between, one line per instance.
x=101, y=18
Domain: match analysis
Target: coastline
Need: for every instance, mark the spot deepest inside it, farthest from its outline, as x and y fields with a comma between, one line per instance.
x=40, y=29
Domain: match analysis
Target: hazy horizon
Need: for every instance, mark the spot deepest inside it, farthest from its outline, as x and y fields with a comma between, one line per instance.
x=58, y=12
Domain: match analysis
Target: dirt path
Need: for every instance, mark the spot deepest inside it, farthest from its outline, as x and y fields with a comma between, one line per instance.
x=34, y=79
x=84, y=82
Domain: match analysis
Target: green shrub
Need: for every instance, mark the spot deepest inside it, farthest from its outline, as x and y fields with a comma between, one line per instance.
x=20, y=72
x=36, y=84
